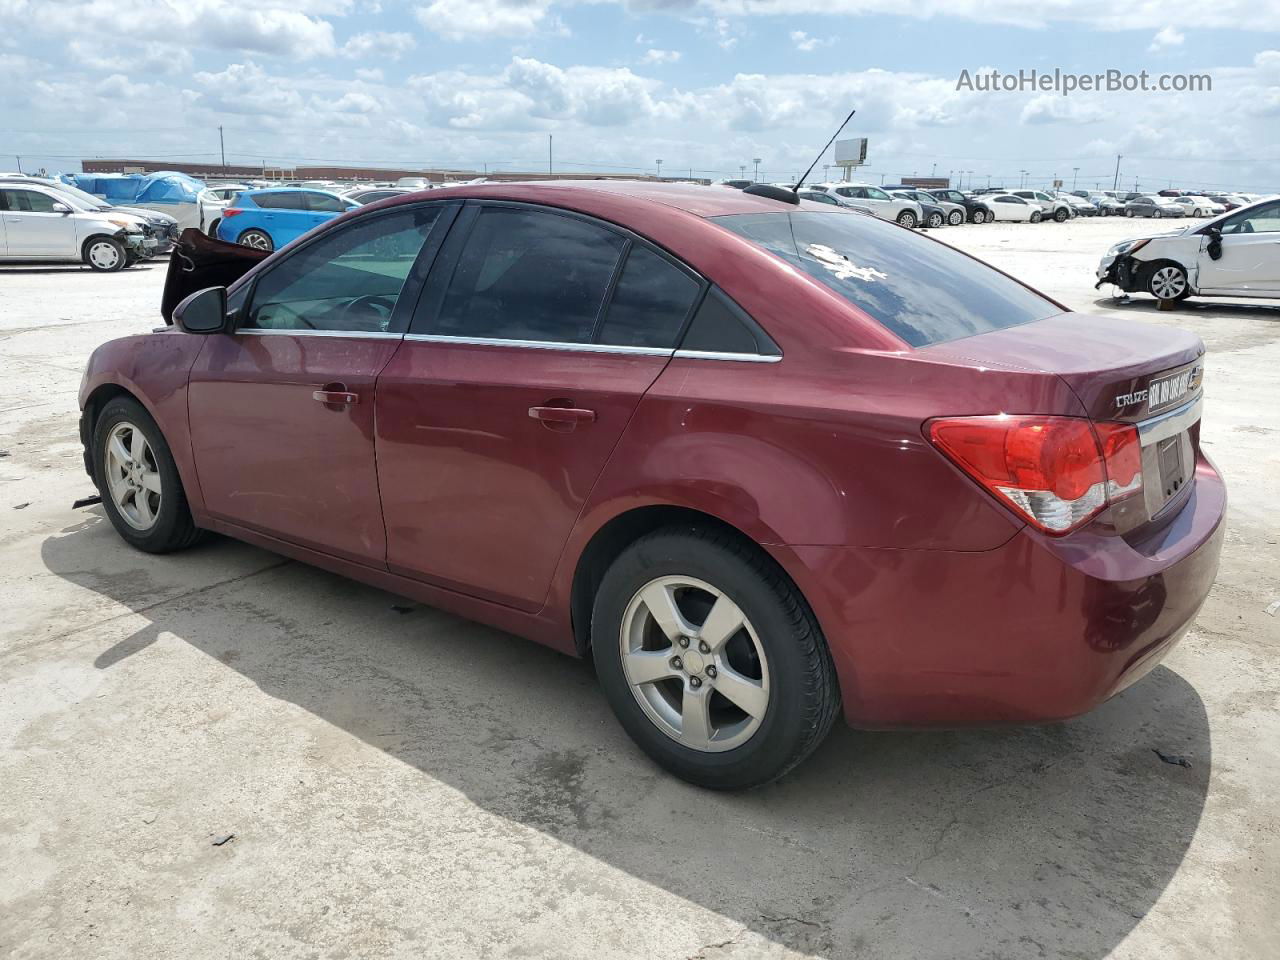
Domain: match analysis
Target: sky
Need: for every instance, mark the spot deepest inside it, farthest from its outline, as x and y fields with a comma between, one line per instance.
x=707, y=86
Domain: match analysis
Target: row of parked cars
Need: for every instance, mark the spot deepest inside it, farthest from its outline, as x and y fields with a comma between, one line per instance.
x=913, y=207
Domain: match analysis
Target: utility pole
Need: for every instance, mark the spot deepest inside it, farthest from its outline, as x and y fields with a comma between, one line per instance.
x=742, y=170
x=988, y=181
x=1075, y=175
x=934, y=172
x=756, y=177
x=659, y=163
x=1115, y=184
x=548, y=154
x=19, y=159
x=1023, y=182
x=223, y=148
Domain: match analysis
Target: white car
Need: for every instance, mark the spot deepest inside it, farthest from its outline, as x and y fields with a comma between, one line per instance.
x=1082, y=206
x=39, y=223
x=903, y=211
x=213, y=200
x=1005, y=206
x=1200, y=206
x=1050, y=208
x=1235, y=254
x=830, y=199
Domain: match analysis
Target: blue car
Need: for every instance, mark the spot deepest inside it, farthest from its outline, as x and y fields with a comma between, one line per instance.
x=268, y=219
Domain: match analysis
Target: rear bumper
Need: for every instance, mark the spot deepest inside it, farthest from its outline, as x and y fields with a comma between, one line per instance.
x=1039, y=629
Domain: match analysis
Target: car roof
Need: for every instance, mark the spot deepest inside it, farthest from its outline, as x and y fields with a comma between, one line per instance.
x=698, y=200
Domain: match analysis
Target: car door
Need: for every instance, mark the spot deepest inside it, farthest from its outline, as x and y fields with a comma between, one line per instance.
x=34, y=229
x=323, y=207
x=285, y=215
x=1250, y=260
x=282, y=411
x=538, y=334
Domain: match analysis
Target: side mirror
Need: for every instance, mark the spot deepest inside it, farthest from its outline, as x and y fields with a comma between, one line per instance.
x=61, y=208
x=204, y=311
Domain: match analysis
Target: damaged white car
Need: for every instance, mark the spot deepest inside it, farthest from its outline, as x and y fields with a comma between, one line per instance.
x=1233, y=255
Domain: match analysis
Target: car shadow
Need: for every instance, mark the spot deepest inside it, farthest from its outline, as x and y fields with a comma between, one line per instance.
x=1049, y=841
x=1145, y=304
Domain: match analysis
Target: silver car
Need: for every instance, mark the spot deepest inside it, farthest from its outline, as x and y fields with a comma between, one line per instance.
x=38, y=223
x=904, y=212
x=162, y=227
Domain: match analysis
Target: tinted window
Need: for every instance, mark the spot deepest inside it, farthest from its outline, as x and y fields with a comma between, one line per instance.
x=28, y=201
x=322, y=202
x=349, y=279
x=525, y=275
x=923, y=291
x=279, y=201
x=1264, y=219
x=721, y=326
x=649, y=304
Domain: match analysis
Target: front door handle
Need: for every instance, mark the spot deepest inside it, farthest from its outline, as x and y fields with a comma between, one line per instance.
x=569, y=415
x=335, y=394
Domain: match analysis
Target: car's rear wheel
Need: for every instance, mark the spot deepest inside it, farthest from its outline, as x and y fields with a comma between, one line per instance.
x=1036, y=216
x=1167, y=280
x=104, y=254
x=135, y=473
x=1128, y=213
x=955, y=218
x=711, y=659
x=258, y=239
x=935, y=220
x=213, y=228
x=906, y=219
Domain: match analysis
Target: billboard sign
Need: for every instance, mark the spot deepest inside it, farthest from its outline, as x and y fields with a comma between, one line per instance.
x=851, y=153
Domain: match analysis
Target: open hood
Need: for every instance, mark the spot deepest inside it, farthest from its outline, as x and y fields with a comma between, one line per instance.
x=199, y=261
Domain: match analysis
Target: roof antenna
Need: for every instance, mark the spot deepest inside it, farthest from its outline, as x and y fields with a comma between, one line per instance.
x=801, y=181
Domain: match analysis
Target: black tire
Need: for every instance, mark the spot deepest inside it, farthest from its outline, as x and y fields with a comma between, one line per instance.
x=1157, y=215
x=1128, y=212
x=1160, y=276
x=804, y=696
x=955, y=218
x=213, y=228
x=104, y=254
x=983, y=216
x=173, y=528
x=258, y=239
x=907, y=219
x=1061, y=216
x=935, y=220
x=1036, y=216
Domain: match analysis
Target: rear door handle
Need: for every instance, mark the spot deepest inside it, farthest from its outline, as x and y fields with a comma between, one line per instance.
x=336, y=394
x=562, y=414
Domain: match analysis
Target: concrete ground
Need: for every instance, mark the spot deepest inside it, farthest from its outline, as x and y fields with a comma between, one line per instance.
x=409, y=785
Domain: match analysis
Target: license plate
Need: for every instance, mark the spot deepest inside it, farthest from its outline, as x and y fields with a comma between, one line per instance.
x=1169, y=456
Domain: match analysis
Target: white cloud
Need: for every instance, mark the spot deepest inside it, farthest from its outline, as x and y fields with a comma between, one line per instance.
x=466, y=19
x=660, y=56
x=806, y=43
x=1166, y=38
x=1051, y=108
x=371, y=75
x=149, y=58
x=391, y=46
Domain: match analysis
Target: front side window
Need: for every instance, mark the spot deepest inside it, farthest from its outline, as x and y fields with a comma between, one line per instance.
x=1264, y=219
x=875, y=194
x=349, y=279
x=529, y=275
x=923, y=291
x=28, y=201
x=323, y=203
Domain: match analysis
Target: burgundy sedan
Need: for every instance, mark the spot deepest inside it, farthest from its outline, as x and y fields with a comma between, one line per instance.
x=764, y=461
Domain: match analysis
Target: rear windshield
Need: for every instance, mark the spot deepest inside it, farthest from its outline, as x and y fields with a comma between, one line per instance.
x=922, y=290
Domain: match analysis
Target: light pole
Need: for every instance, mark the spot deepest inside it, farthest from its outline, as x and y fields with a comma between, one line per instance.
x=825, y=175
x=659, y=163
x=1115, y=184
x=742, y=171
x=756, y=161
x=1075, y=175
x=1023, y=183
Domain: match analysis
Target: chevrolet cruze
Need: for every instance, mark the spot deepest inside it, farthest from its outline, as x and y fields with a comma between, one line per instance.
x=767, y=462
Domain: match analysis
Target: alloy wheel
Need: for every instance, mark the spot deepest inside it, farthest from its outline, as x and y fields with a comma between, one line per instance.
x=133, y=478
x=694, y=664
x=1168, y=283
x=256, y=239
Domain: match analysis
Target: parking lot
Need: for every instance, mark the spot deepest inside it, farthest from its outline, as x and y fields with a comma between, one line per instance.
x=222, y=753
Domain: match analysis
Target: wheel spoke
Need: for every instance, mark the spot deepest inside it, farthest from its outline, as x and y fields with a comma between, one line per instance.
x=151, y=481
x=647, y=666
x=137, y=445
x=695, y=718
x=748, y=695
x=119, y=451
x=661, y=602
x=142, y=501
x=723, y=621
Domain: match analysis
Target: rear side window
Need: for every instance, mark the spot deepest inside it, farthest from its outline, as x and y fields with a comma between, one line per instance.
x=923, y=291
x=279, y=201
x=721, y=326
x=650, y=303
x=528, y=275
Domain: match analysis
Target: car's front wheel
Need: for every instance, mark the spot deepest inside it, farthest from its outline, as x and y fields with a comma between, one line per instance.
x=213, y=229
x=135, y=473
x=258, y=239
x=711, y=659
x=1036, y=216
x=1156, y=214
x=906, y=219
x=935, y=220
x=104, y=254
x=1061, y=216
x=955, y=218
x=1167, y=280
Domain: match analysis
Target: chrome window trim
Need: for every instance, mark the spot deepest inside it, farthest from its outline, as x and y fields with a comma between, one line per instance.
x=303, y=332
x=721, y=355
x=1170, y=424
x=541, y=345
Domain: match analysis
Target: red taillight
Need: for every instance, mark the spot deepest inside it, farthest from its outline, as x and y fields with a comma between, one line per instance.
x=232, y=212
x=1056, y=472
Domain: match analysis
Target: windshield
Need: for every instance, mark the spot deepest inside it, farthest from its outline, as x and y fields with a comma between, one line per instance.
x=923, y=291
x=87, y=199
